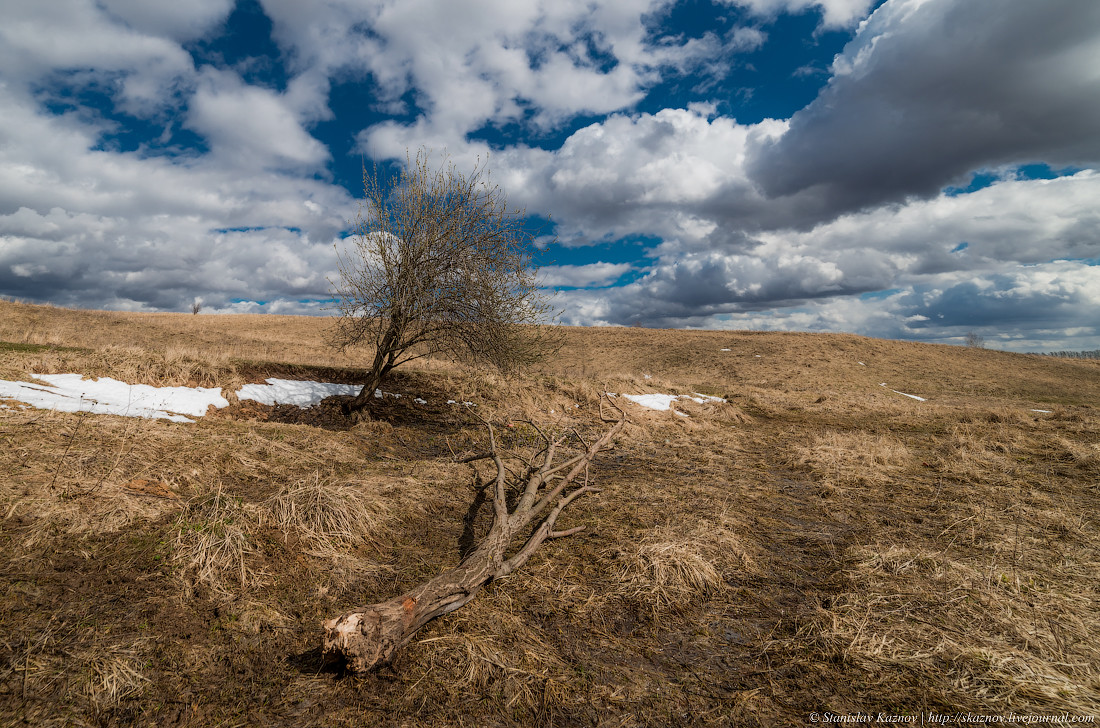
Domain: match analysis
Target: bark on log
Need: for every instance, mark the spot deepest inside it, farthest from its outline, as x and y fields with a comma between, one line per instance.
x=367, y=637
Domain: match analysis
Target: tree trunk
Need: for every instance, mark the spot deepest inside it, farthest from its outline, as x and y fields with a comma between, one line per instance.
x=365, y=397
x=367, y=637
x=384, y=357
x=370, y=636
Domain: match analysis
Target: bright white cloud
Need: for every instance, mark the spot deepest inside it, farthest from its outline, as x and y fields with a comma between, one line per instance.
x=582, y=276
x=152, y=231
x=1013, y=221
x=834, y=13
x=493, y=62
x=251, y=127
x=660, y=174
x=179, y=20
x=76, y=39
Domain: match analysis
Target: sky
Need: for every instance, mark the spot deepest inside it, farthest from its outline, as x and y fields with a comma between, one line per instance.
x=913, y=169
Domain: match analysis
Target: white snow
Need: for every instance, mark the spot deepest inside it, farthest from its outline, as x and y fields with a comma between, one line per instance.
x=293, y=391
x=303, y=393
x=861, y=364
x=663, y=402
x=660, y=402
x=903, y=394
x=1047, y=412
x=724, y=350
x=73, y=393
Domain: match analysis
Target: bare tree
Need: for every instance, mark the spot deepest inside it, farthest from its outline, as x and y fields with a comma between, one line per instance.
x=439, y=264
x=367, y=637
x=196, y=306
x=975, y=340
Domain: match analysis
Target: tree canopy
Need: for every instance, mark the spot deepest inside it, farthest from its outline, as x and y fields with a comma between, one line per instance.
x=439, y=264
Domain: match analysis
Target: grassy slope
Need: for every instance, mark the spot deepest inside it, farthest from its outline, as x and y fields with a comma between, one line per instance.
x=821, y=543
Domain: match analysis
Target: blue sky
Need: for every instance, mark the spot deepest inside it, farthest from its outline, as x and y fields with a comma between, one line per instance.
x=913, y=169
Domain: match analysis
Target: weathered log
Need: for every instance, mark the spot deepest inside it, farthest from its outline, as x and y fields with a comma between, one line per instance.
x=367, y=637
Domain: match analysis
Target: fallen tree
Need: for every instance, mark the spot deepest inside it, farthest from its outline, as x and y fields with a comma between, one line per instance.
x=367, y=637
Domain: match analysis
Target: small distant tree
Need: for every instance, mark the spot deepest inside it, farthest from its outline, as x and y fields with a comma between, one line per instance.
x=439, y=265
x=196, y=306
x=975, y=340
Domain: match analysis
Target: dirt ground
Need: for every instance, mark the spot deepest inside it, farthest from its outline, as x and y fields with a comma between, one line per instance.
x=819, y=544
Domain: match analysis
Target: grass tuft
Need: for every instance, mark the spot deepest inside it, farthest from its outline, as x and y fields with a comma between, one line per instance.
x=214, y=543
x=667, y=575
x=329, y=518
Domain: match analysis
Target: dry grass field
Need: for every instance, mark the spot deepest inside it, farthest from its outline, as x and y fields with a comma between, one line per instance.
x=818, y=543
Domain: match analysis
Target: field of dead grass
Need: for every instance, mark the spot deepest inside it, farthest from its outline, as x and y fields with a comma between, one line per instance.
x=820, y=543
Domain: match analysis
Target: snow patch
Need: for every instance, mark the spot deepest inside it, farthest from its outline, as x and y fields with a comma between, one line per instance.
x=903, y=394
x=663, y=402
x=304, y=393
x=106, y=396
x=293, y=391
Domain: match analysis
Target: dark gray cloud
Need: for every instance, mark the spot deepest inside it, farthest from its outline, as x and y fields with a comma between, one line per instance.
x=1005, y=258
x=1023, y=308
x=930, y=91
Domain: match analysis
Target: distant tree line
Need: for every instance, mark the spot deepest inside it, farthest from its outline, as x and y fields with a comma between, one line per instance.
x=1094, y=354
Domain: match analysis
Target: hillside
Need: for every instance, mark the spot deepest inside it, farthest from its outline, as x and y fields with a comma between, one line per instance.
x=822, y=541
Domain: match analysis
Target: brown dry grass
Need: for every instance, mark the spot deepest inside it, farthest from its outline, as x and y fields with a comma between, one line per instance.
x=215, y=546
x=852, y=459
x=817, y=543
x=330, y=518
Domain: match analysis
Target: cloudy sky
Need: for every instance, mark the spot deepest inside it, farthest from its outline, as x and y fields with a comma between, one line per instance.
x=912, y=169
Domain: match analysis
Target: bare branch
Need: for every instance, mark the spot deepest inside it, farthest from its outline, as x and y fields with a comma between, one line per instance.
x=439, y=264
x=567, y=532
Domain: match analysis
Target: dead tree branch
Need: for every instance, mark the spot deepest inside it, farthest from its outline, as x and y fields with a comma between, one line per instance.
x=369, y=636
